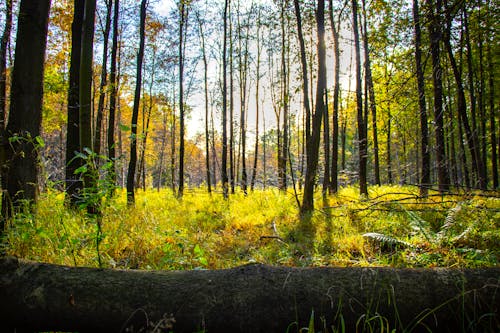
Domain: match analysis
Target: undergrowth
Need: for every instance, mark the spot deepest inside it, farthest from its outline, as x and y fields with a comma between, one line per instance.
x=393, y=228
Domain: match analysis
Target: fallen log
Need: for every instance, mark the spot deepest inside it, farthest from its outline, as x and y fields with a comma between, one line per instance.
x=251, y=298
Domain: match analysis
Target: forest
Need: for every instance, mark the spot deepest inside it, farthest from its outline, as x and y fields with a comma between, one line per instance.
x=251, y=138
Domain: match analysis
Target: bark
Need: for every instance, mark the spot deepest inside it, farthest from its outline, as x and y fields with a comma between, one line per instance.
x=25, y=114
x=371, y=97
x=90, y=175
x=472, y=139
x=113, y=82
x=336, y=90
x=182, y=25
x=283, y=148
x=435, y=36
x=73, y=182
x=257, y=111
x=205, y=86
x=362, y=139
x=232, y=170
x=425, y=177
x=225, y=185
x=135, y=110
x=104, y=79
x=313, y=144
x=243, y=71
x=303, y=61
x=251, y=298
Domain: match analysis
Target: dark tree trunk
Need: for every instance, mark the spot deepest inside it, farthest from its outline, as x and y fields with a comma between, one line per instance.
x=225, y=185
x=251, y=298
x=303, y=61
x=362, y=139
x=135, y=110
x=491, y=99
x=425, y=177
x=283, y=148
x=313, y=144
x=90, y=175
x=182, y=33
x=104, y=79
x=25, y=114
x=435, y=38
x=73, y=181
x=114, y=91
x=231, y=104
x=257, y=102
x=243, y=71
x=336, y=89
x=472, y=140
x=371, y=97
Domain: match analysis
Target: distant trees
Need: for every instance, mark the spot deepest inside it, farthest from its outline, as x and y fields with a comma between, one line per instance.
x=260, y=69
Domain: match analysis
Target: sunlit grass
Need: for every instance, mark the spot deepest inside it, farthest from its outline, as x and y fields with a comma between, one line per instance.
x=203, y=231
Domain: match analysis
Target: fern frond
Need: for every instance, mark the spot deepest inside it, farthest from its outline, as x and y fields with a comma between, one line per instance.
x=384, y=239
x=419, y=224
x=450, y=219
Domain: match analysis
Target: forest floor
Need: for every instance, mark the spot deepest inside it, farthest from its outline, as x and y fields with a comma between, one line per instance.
x=393, y=227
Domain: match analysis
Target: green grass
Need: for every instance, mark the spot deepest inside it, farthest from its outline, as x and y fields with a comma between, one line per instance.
x=392, y=228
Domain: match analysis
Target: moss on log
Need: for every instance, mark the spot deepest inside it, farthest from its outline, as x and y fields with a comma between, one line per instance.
x=251, y=298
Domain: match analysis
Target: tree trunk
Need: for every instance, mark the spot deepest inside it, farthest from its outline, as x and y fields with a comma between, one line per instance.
x=251, y=298
x=313, y=144
x=25, y=115
x=135, y=110
x=336, y=89
x=3, y=62
x=225, y=185
x=303, y=61
x=435, y=38
x=425, y=177
x=257, y=87
x=182, y=24
x=472, y=139
x=113, y=82
x=231, y=103
x=104, y=79
x=362, y=139
x=371, y=97
x=73, y=181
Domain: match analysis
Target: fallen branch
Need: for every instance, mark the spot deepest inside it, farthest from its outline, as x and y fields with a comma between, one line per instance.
x=252, y=298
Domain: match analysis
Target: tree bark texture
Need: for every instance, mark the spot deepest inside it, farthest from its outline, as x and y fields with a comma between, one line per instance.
x=251, y=298
x=135, y=110
x=25, y=115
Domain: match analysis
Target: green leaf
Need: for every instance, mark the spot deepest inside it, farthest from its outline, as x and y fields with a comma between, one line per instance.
x=124, y=127
x=40, y=141
x=81, y=169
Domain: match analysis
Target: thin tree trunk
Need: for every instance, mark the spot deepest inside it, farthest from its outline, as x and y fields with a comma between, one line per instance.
x=225, y=185
x=104, y=78
x=313, y=145
x=371, y=96
x=86, y=101
x=72, y=180
x=303, y=61
x=113, y=82
x=435, y=38
x=135, y=110
x=182, y=23
x=283, y=152
x=232, y=170
x=362, y=139
x=257, y=102
x=425, y=178
x=491, y=98
x=472, y=140
x=243, y=69
x=326, y=144
x=336, y=89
